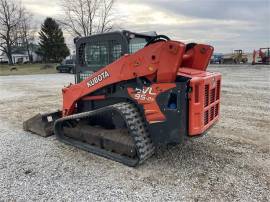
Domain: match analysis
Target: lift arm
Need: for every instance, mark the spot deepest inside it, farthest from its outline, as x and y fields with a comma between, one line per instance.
x=158, y=61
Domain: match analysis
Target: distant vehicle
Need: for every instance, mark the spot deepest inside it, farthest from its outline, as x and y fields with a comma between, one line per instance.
x=216, y=58
x=237, y=57
x=67, y=66
x=261, y=56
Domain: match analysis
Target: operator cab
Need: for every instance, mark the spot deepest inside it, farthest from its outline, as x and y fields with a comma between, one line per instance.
x=238, y=51
x=96, y=51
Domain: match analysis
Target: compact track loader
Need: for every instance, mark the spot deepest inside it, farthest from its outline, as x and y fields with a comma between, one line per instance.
x=261, y=56
x=133, y=93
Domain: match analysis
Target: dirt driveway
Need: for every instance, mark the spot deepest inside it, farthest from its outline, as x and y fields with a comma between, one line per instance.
x=231, y=163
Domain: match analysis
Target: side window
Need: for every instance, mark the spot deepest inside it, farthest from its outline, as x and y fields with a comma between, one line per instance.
x=69, y=62
x=136, y=44
x=116, y=51
x=104, y=57
x=96, y=54
x=81, y=54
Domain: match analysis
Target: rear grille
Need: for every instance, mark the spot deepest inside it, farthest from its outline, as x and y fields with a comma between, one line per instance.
x=216, y=110
x=212, y=113
x=204, y=102
x=206, y=117
x=206, y=95
x=218, y=90
x=210, y=96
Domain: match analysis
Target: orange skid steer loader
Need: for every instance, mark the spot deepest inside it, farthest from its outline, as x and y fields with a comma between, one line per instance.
x=133, y=93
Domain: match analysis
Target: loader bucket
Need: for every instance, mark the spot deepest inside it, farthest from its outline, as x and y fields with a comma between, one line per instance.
x=42, y=124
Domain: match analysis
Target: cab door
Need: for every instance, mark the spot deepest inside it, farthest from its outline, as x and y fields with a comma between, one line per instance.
x=97, y=51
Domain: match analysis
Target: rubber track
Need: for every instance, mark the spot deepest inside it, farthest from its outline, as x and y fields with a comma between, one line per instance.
x=136, y=127
x=138, y=130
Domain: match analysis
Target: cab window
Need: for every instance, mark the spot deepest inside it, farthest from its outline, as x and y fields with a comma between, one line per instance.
x=69, y=62
x=136, y=44
x=96, y=54
x=116, y=51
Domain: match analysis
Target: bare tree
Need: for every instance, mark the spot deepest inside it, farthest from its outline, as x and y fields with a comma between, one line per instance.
x=87, y=17
x=105, y=23
x=27, y=32
x=10, y=19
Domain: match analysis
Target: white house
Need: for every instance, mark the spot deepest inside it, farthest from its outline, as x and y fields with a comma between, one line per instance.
x=16, y=58
x=19, y=58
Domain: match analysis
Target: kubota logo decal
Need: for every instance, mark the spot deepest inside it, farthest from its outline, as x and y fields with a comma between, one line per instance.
x=144, y=94
x=98, y=79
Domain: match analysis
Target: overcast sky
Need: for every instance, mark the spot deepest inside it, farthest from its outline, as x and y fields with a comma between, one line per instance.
x=225, y=24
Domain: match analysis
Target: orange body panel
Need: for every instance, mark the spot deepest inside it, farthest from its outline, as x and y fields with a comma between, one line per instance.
x=198, y=57
x=148, y=100
x=160, y=60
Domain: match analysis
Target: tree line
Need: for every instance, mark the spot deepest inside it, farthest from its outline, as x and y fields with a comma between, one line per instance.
x=80, y=18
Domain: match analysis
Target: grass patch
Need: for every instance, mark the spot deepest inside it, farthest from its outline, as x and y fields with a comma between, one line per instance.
x=26, y=69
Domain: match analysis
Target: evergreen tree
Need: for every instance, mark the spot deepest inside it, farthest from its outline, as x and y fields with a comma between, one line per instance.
x=52, y=43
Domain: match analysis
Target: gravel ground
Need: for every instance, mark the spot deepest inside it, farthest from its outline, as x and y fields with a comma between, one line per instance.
x=232, y=162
